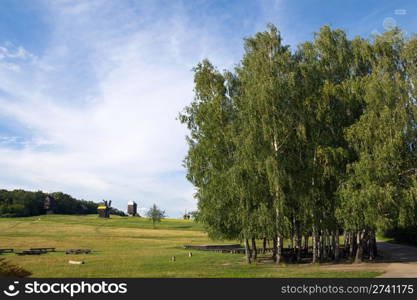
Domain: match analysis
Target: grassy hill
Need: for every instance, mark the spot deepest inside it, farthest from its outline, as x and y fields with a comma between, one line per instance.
x=130, y=247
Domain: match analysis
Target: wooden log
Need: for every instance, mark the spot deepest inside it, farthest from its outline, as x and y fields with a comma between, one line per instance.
x=74, y=262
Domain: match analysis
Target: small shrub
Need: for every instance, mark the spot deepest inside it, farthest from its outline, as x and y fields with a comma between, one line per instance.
x=8, y=270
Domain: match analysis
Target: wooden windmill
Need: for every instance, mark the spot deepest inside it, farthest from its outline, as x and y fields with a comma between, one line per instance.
x=50, y=204
x=132, y=208
x=104, y=209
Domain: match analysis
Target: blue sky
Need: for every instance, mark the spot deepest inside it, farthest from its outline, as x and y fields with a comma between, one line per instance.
x=90, y=90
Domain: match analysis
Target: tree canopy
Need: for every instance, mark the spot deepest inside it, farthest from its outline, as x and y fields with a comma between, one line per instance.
x=155, y=214
x=20, y=203
x=308, y=142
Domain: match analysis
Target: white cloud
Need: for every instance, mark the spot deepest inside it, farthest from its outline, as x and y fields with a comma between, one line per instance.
x=100, y=104
x=12, y=57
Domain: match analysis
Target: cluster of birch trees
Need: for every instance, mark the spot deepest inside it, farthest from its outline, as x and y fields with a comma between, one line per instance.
x=307, y=144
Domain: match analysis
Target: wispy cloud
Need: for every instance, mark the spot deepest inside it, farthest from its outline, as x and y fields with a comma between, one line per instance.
x=12, y=57
x=94, y=112
x=100, y=104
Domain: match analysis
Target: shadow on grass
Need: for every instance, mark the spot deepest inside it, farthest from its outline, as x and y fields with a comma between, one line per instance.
x=183, y=227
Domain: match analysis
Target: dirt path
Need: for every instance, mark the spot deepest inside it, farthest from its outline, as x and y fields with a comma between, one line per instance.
x=401, y=259
x=397, y=261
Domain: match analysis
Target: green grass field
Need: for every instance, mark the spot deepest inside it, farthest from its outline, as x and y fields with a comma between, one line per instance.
x=130, y=247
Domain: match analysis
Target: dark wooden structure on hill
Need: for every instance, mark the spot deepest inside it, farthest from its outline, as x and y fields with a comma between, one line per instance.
x=50, y=204
x=104, y=209
x=132, y=209
x=186, y=215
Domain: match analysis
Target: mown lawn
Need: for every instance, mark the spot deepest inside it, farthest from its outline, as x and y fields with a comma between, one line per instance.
x=130, y=247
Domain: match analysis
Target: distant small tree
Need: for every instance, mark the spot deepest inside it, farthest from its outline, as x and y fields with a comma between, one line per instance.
x=194, y=214
x=155, y=214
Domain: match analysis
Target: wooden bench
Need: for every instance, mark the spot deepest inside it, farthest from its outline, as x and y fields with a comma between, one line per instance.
x=78, y=251
x=31, y=252
x=44, y=249
x=6, y=250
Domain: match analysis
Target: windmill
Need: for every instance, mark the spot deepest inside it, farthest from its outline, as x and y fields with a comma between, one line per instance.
x=104, y=209
x=50, y=204
x=132, y=208
x=186, y=215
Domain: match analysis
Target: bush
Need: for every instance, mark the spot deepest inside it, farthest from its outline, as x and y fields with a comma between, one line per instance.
x=406, y=235
x=8, y=270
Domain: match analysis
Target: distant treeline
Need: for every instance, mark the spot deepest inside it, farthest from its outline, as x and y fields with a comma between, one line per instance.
x=20, y=203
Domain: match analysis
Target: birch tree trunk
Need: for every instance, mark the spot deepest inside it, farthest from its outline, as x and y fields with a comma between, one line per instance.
x=299, y=249
x=346, y=243
x=279, y=249
x=306, y=237
x=353, y=244
x=373, y=245
x=315, y=244
x=336, y=245
x=319, y=245
x=298, y=243
x=274, y=249
x=359, y=250
x=254, y=250
x=247, y=251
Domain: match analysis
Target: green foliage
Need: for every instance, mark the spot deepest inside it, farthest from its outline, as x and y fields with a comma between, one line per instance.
x=20, y=203
x=320, y=138
x=211, y=149
x=379, y=189
x=70, y=205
